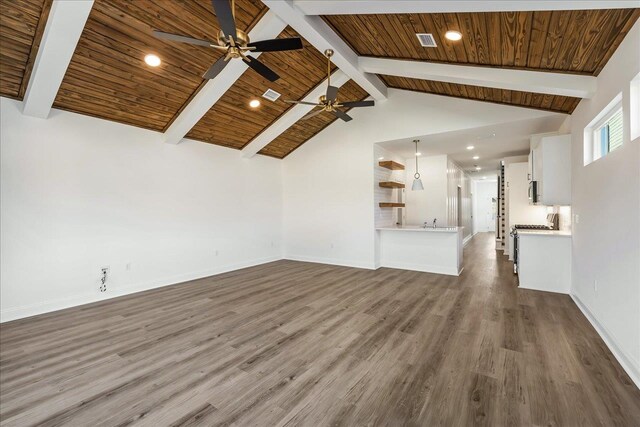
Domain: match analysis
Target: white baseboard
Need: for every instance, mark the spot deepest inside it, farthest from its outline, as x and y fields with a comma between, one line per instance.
x=467, y=240
x=20, y=312
x=332, y=261
x=628, y=364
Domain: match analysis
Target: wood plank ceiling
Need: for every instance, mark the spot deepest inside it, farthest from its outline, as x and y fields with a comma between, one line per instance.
x=107, y=76
x=304, y=130
x=580, y=42
x=232, y=123
x=21, y=26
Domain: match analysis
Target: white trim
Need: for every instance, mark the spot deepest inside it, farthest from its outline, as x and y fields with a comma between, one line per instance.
x=521, y=80
x=630, y=366
x=468, y=239
x=15, y=313
x=61, y=35
x=359, y=7
x=321, y=36
x=291, y=117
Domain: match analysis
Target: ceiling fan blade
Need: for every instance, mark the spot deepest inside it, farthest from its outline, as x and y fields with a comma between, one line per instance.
x=215, y=69
x=312, y=114
x=182, y=39
x=352, y=104
x=344, y=116
x=261, y=69
x=222, y=9
x=332, y=93
x=300, y=102
x=276, y=45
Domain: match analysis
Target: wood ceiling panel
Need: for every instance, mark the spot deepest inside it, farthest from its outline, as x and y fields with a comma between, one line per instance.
x=21, y=26
x=558, y=104
x=232, y=123
x=579, y=41
x=304, y=130
x=107, y=76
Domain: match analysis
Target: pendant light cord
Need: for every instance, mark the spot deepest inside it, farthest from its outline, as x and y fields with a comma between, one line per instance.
x=417, y=174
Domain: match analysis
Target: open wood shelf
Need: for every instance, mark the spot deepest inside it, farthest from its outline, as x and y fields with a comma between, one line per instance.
x=391, y=184
x=390, y=164
x=391, y=205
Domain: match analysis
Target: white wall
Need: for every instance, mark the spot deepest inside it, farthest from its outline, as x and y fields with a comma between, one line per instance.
x=484, y=216
x=606, y=198
x=328, y=182
x=431, y=202
x=79, y=193
x=457, y=178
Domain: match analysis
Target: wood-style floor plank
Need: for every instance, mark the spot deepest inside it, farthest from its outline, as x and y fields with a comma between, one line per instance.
x=291, y=343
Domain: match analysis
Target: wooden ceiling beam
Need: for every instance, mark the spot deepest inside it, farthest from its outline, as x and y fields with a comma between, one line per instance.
x=322, y=37
x=365, y=7
x=578, y=86
x=338, y=78
x=62, y=31
x=269, y=26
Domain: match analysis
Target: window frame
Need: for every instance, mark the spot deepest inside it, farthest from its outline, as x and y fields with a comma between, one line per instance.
x=599, y=149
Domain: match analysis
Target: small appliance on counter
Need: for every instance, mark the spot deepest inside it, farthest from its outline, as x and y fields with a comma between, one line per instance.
x=553, y=223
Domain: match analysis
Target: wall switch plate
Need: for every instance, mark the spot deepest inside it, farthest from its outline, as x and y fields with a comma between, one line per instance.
x=576, y=218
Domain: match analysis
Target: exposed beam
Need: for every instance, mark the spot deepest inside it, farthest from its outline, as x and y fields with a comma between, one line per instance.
x=269, y=26
x=322, y=37
x=522, y=80
x=288, y=119
x=61, y=34
x=362, y=7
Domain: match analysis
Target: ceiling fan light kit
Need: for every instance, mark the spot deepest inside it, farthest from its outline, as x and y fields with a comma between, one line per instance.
x=329, y=101
x=235, y=43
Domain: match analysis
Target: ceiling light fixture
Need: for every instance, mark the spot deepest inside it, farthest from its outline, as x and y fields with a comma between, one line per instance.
x=152, y=60
x=380, y=158
x=417, y=182
x=470, y=147
x=476, y=157
x=478, y=168
x=254, y=103
x=453, y=35
x=418, y=154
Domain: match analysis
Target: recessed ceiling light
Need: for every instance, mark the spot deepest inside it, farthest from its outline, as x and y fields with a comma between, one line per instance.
x=453, y=35
x=418, y=154
x=476, y=157
x=470, y=147
x=380, y=158
x=484, y=177
x=152, y=60
x=254, y=103
x=478, y=168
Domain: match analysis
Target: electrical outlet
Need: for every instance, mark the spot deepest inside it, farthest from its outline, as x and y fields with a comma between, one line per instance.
x=331, y=245
x=577, y=218
x=128, y=266
x=104, y=275
x=216, y=252
x=595, y=285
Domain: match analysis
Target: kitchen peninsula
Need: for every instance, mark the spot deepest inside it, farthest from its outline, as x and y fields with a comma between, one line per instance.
x=432, y=250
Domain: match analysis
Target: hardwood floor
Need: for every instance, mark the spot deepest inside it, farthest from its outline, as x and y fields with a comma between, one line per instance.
x=291, y=343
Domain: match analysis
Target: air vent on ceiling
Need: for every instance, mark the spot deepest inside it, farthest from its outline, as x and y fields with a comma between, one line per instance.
x=271, y=95
x=427, y=40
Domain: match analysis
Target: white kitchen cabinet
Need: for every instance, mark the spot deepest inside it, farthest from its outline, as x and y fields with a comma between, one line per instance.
x=544, y=260
x=550, y=167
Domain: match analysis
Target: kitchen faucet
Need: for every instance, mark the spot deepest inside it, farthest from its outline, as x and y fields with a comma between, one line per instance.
x=434, y=223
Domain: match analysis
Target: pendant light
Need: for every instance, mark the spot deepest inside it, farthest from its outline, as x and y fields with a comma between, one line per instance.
x=417, y=182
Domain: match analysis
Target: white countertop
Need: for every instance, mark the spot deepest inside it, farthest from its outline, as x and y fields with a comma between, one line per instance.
x=553, y=233
x=420, y=228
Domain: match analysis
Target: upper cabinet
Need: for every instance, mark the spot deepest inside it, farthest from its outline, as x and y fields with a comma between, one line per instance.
x=550, y=170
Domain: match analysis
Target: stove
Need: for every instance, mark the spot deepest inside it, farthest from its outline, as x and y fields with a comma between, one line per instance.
x=532, y=227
